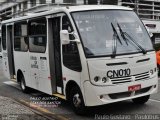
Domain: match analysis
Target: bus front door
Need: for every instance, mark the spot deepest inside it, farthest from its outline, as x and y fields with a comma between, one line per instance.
x=55, y=55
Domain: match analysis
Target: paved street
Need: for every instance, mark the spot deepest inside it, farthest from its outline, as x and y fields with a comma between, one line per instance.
x=63, y=111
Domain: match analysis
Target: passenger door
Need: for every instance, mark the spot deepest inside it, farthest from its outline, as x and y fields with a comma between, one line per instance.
x=10, y=51
x=56, y=27
x=4, y=52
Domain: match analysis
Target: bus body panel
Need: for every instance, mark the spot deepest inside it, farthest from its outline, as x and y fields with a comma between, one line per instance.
x=43, y=74
x=22, y=64
x=37, y=78
x=70, y=75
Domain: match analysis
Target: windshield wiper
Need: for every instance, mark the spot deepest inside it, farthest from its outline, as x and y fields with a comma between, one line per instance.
x=123, y=34
x=115, y=37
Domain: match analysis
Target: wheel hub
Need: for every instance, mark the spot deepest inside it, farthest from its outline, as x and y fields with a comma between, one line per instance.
x=22, y=85
x=76, y=100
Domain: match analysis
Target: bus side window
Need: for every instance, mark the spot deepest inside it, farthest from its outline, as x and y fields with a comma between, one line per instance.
x=20, y=37
x=4, y=37
x=71, y=58
x=37, y=35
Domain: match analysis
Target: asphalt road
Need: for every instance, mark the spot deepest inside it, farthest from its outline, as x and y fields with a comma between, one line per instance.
x=63, y=110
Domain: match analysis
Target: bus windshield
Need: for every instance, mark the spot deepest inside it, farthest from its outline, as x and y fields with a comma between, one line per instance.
x=108, y=32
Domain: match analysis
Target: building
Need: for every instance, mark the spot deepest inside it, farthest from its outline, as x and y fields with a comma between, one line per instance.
x=148, y=10
x=16, y=8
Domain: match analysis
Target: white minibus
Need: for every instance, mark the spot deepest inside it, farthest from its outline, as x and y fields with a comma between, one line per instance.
x=90, y=55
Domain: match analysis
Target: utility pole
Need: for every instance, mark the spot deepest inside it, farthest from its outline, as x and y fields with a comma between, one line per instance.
x=99, y=2
x=136, y=6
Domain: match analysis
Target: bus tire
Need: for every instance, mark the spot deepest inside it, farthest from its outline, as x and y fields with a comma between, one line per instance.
x=141, y=100
x=23, y=86
x=77, y=102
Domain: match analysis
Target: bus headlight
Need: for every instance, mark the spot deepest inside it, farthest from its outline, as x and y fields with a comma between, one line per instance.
x=101, y=80
x=105, y=79
x=97, y=78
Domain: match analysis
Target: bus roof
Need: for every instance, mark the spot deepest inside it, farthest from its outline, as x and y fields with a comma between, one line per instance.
x=68, y=9
x=96, y=7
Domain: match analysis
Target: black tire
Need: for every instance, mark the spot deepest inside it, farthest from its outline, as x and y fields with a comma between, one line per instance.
x=77, y=102
x=141, y=100
x=23, y=86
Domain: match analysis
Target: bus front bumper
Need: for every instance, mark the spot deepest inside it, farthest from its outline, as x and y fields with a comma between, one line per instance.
x=100, y=95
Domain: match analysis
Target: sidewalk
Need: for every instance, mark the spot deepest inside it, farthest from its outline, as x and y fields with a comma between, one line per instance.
x=12, y=110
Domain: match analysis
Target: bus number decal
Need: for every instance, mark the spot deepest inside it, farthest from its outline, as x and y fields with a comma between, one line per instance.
x=34, y=62
x=119, y=73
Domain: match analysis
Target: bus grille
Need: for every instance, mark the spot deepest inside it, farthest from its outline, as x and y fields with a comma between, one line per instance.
x=137, y=77
x=144, y=90
x=120, y=95
x=142, y=76
x=121, y=80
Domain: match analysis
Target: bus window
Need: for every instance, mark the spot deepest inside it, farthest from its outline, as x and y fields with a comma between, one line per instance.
x=71, y=57
x=20, y=37
x=37, y=35
x=4, y=37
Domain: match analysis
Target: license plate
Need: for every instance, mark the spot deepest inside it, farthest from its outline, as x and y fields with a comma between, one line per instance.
x=134, y=87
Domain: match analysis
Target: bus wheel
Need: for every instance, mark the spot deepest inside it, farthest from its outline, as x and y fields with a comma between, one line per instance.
x=77, y=101
x=23, y=86
x=141, y=100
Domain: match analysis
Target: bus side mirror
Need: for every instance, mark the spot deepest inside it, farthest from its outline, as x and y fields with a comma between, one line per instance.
x=64, y=36
x=148, y=30
x=151, y=34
